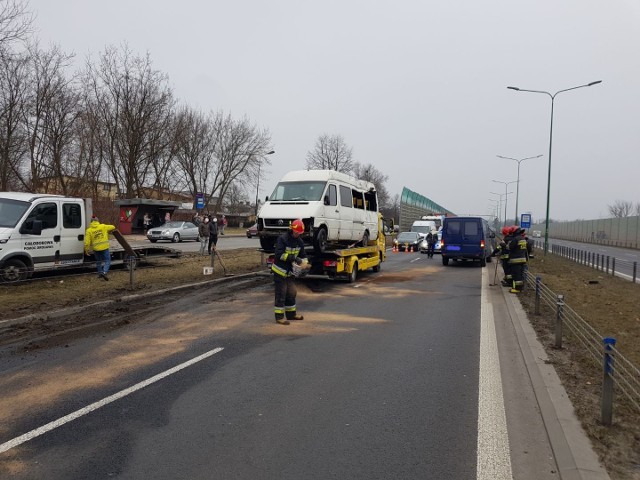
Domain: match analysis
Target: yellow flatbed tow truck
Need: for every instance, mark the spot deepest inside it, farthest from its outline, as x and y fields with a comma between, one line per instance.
x=346, y=263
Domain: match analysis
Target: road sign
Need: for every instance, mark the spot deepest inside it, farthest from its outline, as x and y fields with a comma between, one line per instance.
x=525, y=220
x=199, y=201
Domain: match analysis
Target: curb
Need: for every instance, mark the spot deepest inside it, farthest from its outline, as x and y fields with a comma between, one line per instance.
x=571, y=447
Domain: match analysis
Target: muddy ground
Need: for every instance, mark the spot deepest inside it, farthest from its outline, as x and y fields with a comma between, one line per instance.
x=610, y=305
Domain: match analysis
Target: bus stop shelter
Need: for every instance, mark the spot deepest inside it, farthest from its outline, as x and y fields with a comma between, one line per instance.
x=132, y=211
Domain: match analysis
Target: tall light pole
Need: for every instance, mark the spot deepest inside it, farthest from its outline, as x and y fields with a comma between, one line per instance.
x=518, y=180
x=506, y=186
x=496, y=210
x=552, y=96
x=258, y=183
x=500, y=195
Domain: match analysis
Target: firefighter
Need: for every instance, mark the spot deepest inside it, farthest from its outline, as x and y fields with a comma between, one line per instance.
x=518, y=257
x=502, y=251
x=289, y=249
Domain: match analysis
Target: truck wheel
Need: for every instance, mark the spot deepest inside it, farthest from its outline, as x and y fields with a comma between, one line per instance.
x=320, y=240
x=176, y=237
x=445, y=260
x=14, y=270
x=354, y=273
x=267, y=243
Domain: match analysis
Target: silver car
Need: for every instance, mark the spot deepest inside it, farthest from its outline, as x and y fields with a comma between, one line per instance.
x=174, y=231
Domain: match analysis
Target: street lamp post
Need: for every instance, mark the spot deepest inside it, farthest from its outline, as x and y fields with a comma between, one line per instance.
x=500, y=195
x=258, y=183
x=518, y=180
x=506, y=186
x=552, y=96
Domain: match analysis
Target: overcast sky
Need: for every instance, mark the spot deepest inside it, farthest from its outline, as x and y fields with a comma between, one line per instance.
x=417, y=88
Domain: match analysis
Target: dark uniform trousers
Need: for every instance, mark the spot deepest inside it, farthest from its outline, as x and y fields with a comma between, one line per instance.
x=285, y=301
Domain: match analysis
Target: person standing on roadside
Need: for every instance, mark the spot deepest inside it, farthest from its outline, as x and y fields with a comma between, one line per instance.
x=431, y=243
x=96, y=239
x=146, y=221
x=203, y=235
x=289, y=250
x=223, y=224
x=518, y=257
x=213, y=233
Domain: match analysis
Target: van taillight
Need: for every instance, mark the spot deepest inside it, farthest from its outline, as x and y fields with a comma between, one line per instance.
x=329, y=263
x=481, y=243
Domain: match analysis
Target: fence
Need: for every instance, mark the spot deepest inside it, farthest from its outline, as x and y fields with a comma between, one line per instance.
x=616, y=232
x=617, y=370
x=604, y=263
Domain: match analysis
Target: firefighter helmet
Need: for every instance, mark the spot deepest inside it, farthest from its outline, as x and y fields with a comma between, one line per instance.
x=505, y=230
x=297, y=226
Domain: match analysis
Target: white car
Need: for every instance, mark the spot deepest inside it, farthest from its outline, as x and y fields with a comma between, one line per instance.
x=173, y=231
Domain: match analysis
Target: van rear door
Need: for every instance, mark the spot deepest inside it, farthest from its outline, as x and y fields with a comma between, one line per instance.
x=462, y=236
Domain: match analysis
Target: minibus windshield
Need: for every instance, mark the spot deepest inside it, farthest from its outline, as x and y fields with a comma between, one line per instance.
x=298, y=191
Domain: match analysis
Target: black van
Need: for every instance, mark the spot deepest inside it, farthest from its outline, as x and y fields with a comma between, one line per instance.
x=466, y=238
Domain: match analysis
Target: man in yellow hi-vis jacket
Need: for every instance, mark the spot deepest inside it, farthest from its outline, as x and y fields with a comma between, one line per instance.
x=289, y=250
x=96, y=239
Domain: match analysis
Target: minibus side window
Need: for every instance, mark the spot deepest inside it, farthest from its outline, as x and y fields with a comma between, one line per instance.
x=345, y=196
x=332, y=193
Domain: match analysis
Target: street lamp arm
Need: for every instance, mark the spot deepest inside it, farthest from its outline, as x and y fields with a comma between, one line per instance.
x=531, y=91
x=518, y=160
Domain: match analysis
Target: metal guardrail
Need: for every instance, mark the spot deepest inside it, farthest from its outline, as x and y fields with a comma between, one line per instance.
x=603, y=263
x=617, y=369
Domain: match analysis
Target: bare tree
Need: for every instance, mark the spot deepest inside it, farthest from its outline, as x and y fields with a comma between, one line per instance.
x=372, y=174
x=133, y=105
x=49, y=117
x=14, y=93
x=331, y=153
x=240, y=149
x=15, y=22
x=392, y=208
x=194, y=145
x=620, y=208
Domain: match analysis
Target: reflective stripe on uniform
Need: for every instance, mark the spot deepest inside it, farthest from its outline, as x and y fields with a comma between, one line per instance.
x=278, y=270
x=290, y=309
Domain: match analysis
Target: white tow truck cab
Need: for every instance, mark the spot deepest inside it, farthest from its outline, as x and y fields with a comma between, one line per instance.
x=39, y=231
x=337, y=210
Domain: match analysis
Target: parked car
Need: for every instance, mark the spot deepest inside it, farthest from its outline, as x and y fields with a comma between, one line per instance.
x=252, y=231
x=407, y=240
x=173, y=231
x=467, y=238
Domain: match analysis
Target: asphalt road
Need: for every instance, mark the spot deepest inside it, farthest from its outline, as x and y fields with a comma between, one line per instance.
x=411, y=373
x=625, y=257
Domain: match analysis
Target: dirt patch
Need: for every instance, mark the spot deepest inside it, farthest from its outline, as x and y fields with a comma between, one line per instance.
x=41, y=295
x=612, y=307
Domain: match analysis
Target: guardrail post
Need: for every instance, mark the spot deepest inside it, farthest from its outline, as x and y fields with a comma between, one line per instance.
x=589, y=259
x=537, y=301
x=606, y=408
x=559, y=309
x=607, y=270
x=635, y=269
x=613, y=266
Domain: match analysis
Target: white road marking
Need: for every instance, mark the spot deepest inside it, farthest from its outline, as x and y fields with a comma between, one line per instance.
x=101, y=403
x=494, y=461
